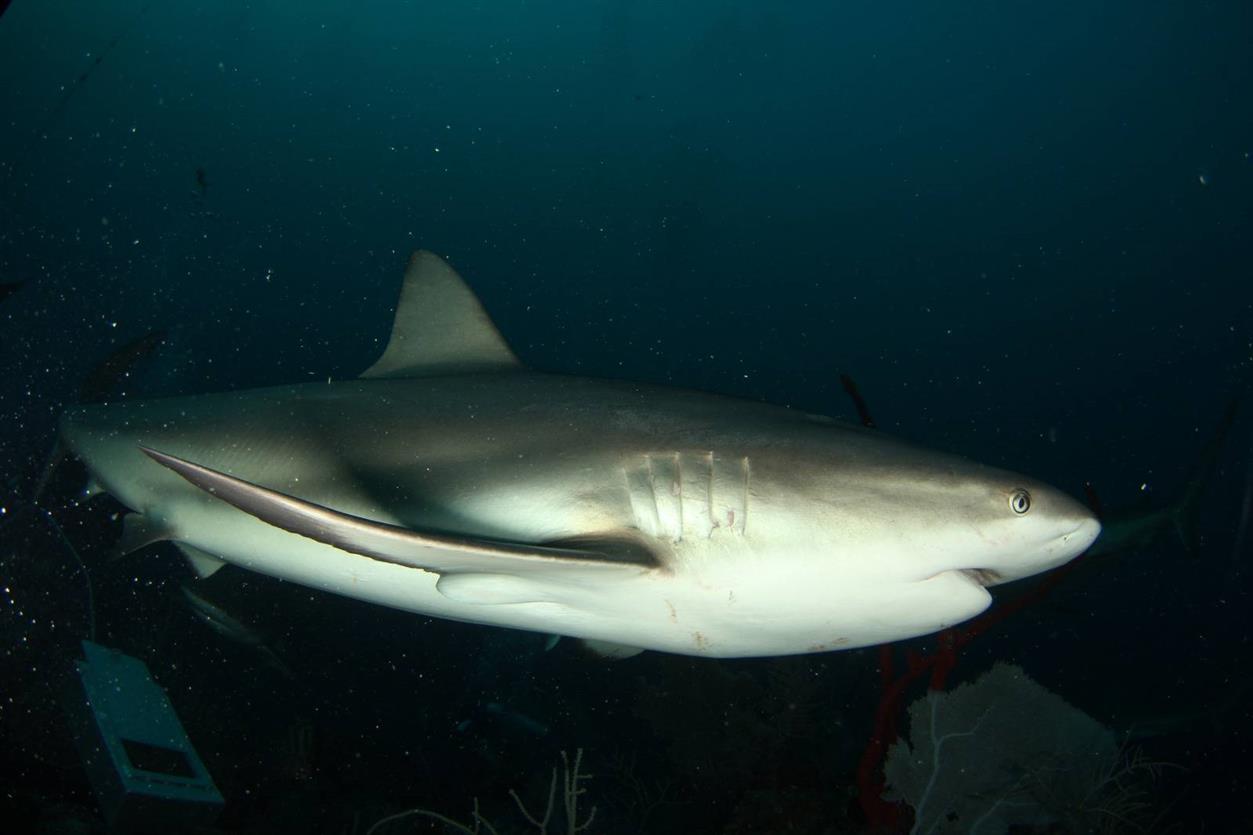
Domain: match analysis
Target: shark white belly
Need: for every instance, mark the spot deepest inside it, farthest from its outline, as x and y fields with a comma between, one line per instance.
x=451, y=481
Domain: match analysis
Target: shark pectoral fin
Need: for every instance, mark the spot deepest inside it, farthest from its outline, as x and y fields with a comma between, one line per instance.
x=436, y=552
x=202, y=562
x=489, y=589
x=138, y=531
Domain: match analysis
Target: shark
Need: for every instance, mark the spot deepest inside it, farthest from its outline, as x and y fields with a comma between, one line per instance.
x=1132, y=529
x=451, y=480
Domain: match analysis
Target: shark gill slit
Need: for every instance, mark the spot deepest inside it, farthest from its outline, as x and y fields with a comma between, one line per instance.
x=748, y=474
x=665, y=491
x=677, y=490
x=709, y=493
x=643, y=502
x=651, y=473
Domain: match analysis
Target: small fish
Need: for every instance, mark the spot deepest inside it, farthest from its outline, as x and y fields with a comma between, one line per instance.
x=8, y=288
x=515, y=720
x=504, y=717
x=106, y=380
x=232, y=628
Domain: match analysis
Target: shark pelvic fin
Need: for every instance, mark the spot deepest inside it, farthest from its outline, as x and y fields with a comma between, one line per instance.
x=608, y=649
x=202, y=562
x=138, y=531
x=436, y=552
x=440, y=327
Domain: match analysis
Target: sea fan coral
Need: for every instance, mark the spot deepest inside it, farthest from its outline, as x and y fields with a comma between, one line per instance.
x=998, y=752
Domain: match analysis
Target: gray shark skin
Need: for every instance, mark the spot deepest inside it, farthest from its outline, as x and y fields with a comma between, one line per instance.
x=450, y=480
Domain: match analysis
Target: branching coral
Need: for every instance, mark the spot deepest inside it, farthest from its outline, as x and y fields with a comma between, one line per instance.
x=571, y=791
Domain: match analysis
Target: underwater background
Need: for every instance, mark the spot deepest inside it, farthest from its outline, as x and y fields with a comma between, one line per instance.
x=1024, y=229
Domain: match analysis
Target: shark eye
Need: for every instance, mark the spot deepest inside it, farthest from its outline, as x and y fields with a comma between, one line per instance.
x=1020, y=501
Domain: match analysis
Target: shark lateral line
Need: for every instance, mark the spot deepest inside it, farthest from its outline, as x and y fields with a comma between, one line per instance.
x=450, y=480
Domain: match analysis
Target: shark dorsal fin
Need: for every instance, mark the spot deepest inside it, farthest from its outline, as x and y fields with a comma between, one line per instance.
x=440, y=327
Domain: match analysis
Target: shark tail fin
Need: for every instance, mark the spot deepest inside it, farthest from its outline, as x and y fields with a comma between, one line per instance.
x=1187, y=511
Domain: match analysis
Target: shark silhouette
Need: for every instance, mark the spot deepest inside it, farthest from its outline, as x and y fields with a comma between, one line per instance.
x=452, y=481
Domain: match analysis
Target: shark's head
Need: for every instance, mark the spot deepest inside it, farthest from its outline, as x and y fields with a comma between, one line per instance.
x=921, y=514
x=1012, y=527
x=889, y=540
x=936, y=513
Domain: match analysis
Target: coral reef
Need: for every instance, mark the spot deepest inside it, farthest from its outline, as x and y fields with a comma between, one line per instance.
x=999, y=752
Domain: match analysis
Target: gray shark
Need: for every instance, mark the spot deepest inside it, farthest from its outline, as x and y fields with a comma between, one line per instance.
x=452, y=481
x=1133, y=529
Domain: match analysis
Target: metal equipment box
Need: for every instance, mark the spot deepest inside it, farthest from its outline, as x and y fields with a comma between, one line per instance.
x=146, y=775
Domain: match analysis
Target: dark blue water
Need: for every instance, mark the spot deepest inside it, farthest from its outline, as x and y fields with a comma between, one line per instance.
x=1026, y=230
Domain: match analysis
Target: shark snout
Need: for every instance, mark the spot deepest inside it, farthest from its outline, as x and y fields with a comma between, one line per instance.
x=1062, y=531
x=1079, y=524
x=1084, y=534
